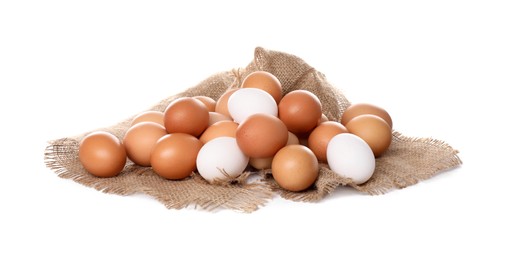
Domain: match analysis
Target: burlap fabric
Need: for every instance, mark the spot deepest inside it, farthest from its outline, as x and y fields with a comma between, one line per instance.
x=407, y=161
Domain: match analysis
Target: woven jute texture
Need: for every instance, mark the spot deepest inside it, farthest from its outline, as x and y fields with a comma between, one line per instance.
x=407, y=161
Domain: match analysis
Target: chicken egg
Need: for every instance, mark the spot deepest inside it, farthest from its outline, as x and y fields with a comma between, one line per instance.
x=295, y=167
x=261, y=135
x=140, y=139
x=102, y=154
x=265, y=81
x=373, y=130
x=320, y=136
x=265, y=163
x=222, y=128
x=248, y=101
x=186, y=115
x=149, y=116
x=217, y=117
x=220, y=159
x=350, y=156
x=222, y=102
x=300, y=110
x=174, y=156
x=208, y=102
x=363, y=108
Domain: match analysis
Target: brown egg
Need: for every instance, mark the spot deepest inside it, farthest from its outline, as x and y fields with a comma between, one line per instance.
x=140, y=139
x=373, y=130
x=295, y=167
x=261, y=135
x=300, y=110
x=208, y=102
x=102, y=154
x=222, y=102
x=323, y=118
x=186, y=115
x=320, y=137
x=265, y=163
x=217, y=117
x=218, y=129
x=265, y=81
x=362, y=109
x=174, y=156
x=149, y=116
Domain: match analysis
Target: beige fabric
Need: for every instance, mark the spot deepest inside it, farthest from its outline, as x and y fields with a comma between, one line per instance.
x=407, y=161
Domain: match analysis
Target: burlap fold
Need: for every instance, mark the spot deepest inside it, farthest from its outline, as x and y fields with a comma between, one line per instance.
x=408, y=160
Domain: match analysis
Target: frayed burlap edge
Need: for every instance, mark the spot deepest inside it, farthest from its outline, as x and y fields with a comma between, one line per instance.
x=408, y=160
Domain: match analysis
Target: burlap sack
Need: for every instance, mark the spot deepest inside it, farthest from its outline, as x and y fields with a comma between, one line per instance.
x=407, y=161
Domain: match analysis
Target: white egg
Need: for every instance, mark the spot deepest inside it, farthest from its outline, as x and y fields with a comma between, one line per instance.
x=248, y=101
x=221, y=157
x=349, y=156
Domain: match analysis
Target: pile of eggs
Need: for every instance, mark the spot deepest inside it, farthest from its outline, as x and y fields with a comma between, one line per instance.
x=254, y=125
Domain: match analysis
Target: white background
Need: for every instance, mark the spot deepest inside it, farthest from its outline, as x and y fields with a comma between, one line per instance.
x=70, y=66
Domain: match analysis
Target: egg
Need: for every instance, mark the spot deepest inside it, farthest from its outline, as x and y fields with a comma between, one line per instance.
x=261, y=135
x=220, y=159
x=321, y=135
x=222, y=102
x=295, y=168
x=222, y=128
x=373, y=130
x=140, y=139
x=102, y=154
x=208, y=102
x=363, y=108
x=186, y=115
x=350, y=156
x=265, y=163
x=323, y=118
x=265, y=81
x=217, y=117
x=149, y=116
x=248, y=101
x=174, y=156
x=300, y=110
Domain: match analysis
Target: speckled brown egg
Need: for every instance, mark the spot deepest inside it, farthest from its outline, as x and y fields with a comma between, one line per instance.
x=265, y=81
x=174, y=156
x=186, y=115
x=300, y=110
x=102, y=154
x=320, y=137
x=140, y=139
x=373, y=130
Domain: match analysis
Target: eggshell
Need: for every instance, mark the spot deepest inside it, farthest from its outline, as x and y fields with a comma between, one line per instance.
x=295, y=167
x=102, y=154
x=149, y=116
x=350, y=156
x=217, y=117
x=174, y=156
x=300, y=110
x=140, y=139
x=186, y=115
x=221, y=158
x=208, y=102
x=265, y=163
x=222, y=128
x=222, y=102
x=261, y=135
x=265, y=81
x=363, y=108
x=321, y=135
x=373, y=130
x=248, y=101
